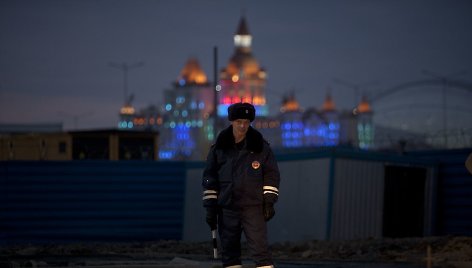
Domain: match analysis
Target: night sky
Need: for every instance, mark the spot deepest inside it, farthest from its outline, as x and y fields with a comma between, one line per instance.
x=55, y=55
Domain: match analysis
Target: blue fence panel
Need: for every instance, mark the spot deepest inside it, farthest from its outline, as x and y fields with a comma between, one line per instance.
x=454, y=191
x=47, y=202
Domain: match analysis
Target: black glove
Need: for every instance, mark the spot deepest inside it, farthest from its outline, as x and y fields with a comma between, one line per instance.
x=269, y=211
x=212, y=217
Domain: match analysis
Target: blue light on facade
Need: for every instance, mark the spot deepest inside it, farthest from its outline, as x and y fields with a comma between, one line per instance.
x=286, y=126
x=166, y=154
x=122, y=124
x=365, y=135
x=181, y=144
x=307, y=132
x=292, y=133
x=223, y=110
x=260, y=110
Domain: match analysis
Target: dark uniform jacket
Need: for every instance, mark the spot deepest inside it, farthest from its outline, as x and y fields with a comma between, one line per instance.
x=245, y=177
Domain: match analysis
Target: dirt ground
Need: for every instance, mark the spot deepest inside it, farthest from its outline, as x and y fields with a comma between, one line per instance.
x=444, y=251
x=447, y=251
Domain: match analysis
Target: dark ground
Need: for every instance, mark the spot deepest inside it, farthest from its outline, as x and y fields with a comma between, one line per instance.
x=395, y=253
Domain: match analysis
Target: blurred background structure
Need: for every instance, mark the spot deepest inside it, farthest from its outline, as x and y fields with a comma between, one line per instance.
x=366, y=104
x=376, y=76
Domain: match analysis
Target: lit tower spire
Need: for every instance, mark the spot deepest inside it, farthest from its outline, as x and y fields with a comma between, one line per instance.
x=290, y=104
x=332, y=126
x=328, y=104
x=242, y=80
x=364, y=106
x=242, y=38
x=365, y=126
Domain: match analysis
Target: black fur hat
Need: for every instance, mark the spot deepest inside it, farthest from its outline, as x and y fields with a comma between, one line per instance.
x=241, y=110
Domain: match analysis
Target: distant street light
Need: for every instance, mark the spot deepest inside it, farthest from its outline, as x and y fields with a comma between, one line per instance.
x=125, y=67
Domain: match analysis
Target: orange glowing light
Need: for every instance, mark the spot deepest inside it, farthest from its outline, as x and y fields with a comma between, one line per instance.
x=364, y=107
x=258, y=101
x=247, y=99
x=127, y=109
x=328, y=104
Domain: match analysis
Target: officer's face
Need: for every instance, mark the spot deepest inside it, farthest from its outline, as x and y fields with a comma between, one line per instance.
x=240, y=127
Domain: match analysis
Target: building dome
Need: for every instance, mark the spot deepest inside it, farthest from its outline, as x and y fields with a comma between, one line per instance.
x=192, y=74
x=328, y=104
x=364, y=106
x=242, y=64
x=290, y=104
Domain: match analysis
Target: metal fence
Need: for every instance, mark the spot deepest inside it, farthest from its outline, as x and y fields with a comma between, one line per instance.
x=72, y=201
x=454, y=196
x=114, y=201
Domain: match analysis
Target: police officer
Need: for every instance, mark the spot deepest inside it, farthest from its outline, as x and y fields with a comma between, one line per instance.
x=240, y=187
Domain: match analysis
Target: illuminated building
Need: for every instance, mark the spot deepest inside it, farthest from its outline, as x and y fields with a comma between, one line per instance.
x=321, y=127
x=127, y=115
x=330, y=128
x=149, y=118
x=186, y=125
x=187, y=130
x=365, y=128
x=243, y=80
x=291, y=122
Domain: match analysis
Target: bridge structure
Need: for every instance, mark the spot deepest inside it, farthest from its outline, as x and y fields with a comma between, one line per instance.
x=435, y=109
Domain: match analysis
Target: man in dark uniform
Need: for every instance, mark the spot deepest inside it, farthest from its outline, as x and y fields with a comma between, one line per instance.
x=240, y=187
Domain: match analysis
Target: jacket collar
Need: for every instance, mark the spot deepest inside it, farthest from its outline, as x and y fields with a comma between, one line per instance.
x=254, y=140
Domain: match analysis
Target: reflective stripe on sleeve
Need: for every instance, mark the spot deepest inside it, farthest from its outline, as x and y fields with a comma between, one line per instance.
x=210, y=194
x=210, y=197
x=270, y=190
